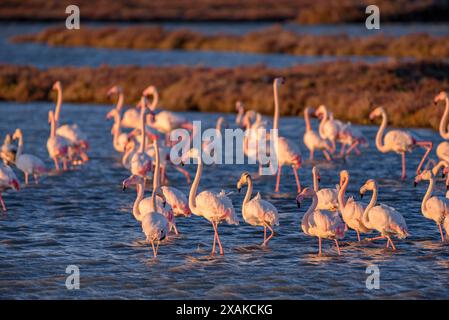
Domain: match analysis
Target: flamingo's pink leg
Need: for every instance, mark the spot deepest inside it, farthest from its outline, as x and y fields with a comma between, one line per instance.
x=154, y=250
x=278, y=178
x=428, y=146
x=298, y=184
x=388, y=244
x=375, y=238
x=392, y=244
x=84, y=156
x=333, y=146
x=56, y=163
x=441, y=232
x=326, y=155
x=36, y=178
x=338, y=247
x=352, y=147
x=264, y=234
x=358, y=235
x=26, y=178
x=269, y=238
x=342, y=150
x=215, y=241
x=185, y=173
x=319, y=246
x=2, y=202
x=218, y=239
x=404, y=169
x=312, y=154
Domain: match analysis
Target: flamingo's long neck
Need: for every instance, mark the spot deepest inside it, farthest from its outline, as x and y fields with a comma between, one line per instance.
x=117, y=129
x=380, y=134
x=307, y=119
x=58, y=104
x=139, y=197
x=276, y=106
x=247, y=198
x=315, y=181
x=309, y=212
x=127, y=155
x=19, y=147
x=341, y=195
x=142, y=127
x=444, y=133
x=194, y=187
x=52, y=126
x=120, y=101
x=219, y=124
x=428, y=194
x=322, y=122
x=372, y=203
x=155, y=101
x=156, y=177
x=238, y=118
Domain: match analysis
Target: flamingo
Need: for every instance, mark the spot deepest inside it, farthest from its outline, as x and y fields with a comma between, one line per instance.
x=8, y=150
x=78, y=140
x=329, y=128
x=28, y=163
x=434, y=208
x=140, y=162
x=120, y=138
x=214, y=207
x=327, y=198
x=382, y=218
x=131, y=116
x=320, y=223
x=57, y=146
x=398, y=141
x=256, y=211
x=312, y=140
x=287, y=152
x=240, y=112
x=442, y=150
x=351, y=210
x=352, y=137
x=8, y=180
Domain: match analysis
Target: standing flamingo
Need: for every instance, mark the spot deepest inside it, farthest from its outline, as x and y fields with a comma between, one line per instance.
x=327, y=198
x=28, y=163
x=57, y=146
x=119, y=138
x=329, y=128
x=320, y=223
x=312, y=140
x=8, y=180
x=443, y=148
x=78, y=140
x=214, y=207
x=287, y=153
x=351, y=137
x=351, y=210
x=256, y=211
x=398, y=141
x=140, y=162
x=131, y=116
x=382, y=218
x=434, y=208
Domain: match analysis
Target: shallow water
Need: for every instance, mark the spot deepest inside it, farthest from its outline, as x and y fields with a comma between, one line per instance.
x=83, y=218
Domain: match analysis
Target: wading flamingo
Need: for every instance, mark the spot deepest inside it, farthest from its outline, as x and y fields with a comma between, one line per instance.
x=433, y=207
x=71, y=132
x=8, y=150
x=327, y=197
x=320, y=223
x=312, y=140
x=328, y=128
x=119, y=138
x=443, y=148
x=256, y=211
x=57, y=146
x=398, y=141
x=8, y=180
x=140, y=163
x=351, y=137
x=131, y=116
x=351, y=210
x=214, y=207
x=288, y=153
x=382, y=218
x=28, y=163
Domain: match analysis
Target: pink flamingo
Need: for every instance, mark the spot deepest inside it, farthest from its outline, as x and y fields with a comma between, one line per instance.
x=312, y=140
x=382, y=218
x=320, y=223
x=287, y=152
x=57, y=146
x=443, y=148
x=214, y=207
x=351, y=210
x=131, y=116
x=256, y=211
x=329, y=128
x=398, y=141
x=140, y=162
x=119, y=138
x=28, y=163
x=351, y=137
x=8, y=180
x=327, y=198
x=433, y=207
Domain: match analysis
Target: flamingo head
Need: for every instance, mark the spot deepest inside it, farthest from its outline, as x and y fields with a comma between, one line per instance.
x=17, y=134
x=279, y=81
x=369, y=185
x=133, y=179
x=239, y=106
x=304, y=194
x=440, y=97
x=14, y=184
x=321, y=111
x=344, y=177
x=149, y=91
x=425, y=175
x=316, y=173
x=243, y=180
x=56, y=86
x=114, y=90
x=376, y=113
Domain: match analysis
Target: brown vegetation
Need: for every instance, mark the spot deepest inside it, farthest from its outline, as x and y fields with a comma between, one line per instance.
x=271, y=40
x=350, y=90
x=304, y=11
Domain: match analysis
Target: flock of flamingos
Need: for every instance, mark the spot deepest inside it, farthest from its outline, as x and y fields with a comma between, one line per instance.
x=146, y=147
